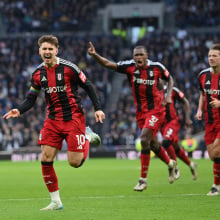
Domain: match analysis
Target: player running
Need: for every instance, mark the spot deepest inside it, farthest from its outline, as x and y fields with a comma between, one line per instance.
x=59, y=79
x=143, y=75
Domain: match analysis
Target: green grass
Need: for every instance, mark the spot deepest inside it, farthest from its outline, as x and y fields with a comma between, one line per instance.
x=102, y=190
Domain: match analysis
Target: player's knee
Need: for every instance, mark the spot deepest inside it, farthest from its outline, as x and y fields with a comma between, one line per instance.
x=166, y=143
x=215, y=153
x=76, y=163
x=145, y=142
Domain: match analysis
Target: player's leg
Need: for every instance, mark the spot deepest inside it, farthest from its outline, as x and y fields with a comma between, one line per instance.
x=214, y=152
x=50, y=177
x=50, y=136
x=183, y=156
x=146, y=136
x=168, y=146
x=163, y=156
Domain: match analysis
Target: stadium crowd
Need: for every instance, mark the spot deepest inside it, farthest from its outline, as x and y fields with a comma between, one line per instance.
x=183, y=53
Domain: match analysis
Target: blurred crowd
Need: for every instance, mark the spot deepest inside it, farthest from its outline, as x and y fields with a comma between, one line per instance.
x=184, y=54
x=72, y=15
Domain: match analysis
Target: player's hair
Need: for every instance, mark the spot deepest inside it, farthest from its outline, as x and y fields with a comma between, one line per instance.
x=141, y=47
x=49, y=39
x=215, y=47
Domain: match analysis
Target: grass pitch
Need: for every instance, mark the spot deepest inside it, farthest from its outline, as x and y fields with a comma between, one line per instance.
x=103, y=190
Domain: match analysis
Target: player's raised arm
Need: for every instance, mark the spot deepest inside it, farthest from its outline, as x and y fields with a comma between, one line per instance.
x=187, y=109
x=169, y=90
x=101, y=60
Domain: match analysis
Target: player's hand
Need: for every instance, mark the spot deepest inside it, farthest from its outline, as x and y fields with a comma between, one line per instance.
x=199, y=115
x=168, y=99
x=91, y=49
x=14, y=113
x=99, y=116
x=215, y=103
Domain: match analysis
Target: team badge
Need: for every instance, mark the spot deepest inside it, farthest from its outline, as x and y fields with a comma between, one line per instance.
x=59, y=76
x=151, y=73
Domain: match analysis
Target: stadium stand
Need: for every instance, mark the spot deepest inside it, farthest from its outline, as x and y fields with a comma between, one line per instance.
x=183, y=51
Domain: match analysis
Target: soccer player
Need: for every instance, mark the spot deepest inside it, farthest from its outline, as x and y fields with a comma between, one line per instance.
x=59, y=79
x=171, y=128
x=209, y=104
x=143, y=75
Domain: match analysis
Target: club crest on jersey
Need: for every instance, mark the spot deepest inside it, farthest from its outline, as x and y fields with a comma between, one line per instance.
x=59, y=76
x=151, y=73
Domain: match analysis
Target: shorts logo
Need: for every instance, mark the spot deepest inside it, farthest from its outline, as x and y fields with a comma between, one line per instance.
x=169, y=132
x=153, y=120
x=79, y=147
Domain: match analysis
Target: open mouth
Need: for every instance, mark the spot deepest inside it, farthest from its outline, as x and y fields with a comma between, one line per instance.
x=47, y=56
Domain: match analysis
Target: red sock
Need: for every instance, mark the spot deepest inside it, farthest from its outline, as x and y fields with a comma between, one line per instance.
x=182, y=155
x=161, y=153
x=86, y=149
x=216, y=172
x=145, y=161
x=171, y=152
x=49, y=176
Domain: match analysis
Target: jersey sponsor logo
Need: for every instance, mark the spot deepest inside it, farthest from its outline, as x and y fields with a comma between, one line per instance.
x=208, y=82
x=212, y=91
x=55, y=89
x=143, y=81
x=82, y=77
x=153, y=120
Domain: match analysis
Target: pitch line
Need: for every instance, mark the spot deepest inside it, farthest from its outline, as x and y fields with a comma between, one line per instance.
x=107, y=197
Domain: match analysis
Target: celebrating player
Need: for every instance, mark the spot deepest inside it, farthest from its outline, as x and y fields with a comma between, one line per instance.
x=209, y=103
x=171, y=128
x=144, y=75
x=59, y=79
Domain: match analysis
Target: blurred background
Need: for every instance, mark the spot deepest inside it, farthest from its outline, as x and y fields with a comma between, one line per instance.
x=177, y=33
